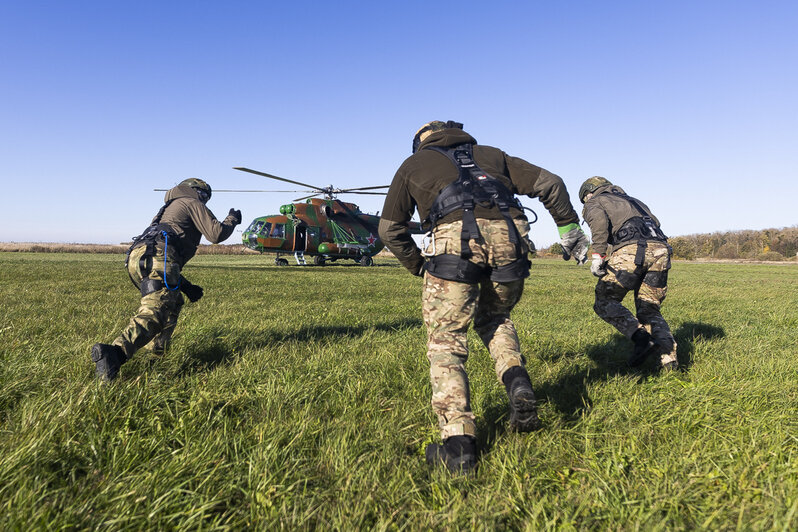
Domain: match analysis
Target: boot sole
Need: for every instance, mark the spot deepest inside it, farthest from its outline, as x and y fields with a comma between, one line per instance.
x=524, y=412
x=436, y=456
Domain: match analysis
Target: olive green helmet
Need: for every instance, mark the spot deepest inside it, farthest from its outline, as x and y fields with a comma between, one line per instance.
x=202, y=188
x=590, y=185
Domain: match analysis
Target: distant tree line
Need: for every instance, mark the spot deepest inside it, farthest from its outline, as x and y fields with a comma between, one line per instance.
x=765, y=244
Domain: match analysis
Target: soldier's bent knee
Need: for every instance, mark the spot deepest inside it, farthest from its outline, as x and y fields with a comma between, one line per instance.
x=646, y=308
x=656, y=279
x=148, y=286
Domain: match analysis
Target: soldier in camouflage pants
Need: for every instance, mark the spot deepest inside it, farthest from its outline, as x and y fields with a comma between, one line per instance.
x=465, y=194
x=449, y=307
x=630, y=252
x=158, y=311
x=154, y=264
x=650, y=287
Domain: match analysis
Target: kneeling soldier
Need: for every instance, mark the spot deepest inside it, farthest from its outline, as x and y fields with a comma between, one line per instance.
x=639, y=260
x=475, y=268
x=154, y=263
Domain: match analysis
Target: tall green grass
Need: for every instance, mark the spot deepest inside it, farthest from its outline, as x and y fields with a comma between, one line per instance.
x=298, y=398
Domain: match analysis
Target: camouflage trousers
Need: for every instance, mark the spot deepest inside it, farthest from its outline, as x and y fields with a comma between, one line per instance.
x=449, y=307
x=650, y=284
x=158, y=311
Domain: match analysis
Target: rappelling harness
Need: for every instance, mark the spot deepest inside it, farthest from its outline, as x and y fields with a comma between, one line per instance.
x=150, y=237
x=473, y=187
x=642, y=229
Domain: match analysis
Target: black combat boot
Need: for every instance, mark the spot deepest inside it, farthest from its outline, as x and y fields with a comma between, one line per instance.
x=644, y=346
x=108, y=359
x=458, y=454
x=161, y=343
x=523, y=409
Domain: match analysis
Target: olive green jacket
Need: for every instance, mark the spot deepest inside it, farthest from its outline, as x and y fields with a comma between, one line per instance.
x=190, y=220
x=423, y=175
x=605, y=213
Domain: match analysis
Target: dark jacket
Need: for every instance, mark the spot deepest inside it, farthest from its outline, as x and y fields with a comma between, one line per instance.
x=605, y=212
x=423, y=175
x=190, y=220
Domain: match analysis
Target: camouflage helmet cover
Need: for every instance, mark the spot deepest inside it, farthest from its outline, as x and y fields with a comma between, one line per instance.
x=590, y=185
x=198, y=184
x=429, y=128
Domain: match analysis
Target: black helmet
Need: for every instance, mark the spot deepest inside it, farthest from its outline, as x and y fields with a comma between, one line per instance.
x=429, y=128
x=203, y=189
x=590, y=185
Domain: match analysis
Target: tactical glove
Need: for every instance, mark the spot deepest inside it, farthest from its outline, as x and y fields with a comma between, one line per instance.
x=599, y=266
x=574, y=243
x=193, y=291
x=236, y=215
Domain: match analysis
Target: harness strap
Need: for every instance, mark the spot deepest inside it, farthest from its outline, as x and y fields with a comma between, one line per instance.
x=473, y=186
x=640, y=255
x=149, y=238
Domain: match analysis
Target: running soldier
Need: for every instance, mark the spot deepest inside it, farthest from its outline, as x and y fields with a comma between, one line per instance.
x=639, y=259
x=476, y=263
x=154, y=264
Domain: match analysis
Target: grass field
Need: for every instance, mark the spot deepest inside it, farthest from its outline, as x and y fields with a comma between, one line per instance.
x=297, y=398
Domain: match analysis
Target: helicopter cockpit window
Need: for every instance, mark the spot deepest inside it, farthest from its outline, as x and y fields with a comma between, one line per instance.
x=265, y=228
x=279, y=231
x=255, y=225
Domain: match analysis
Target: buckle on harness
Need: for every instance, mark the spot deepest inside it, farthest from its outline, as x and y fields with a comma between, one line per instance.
x=428, y=240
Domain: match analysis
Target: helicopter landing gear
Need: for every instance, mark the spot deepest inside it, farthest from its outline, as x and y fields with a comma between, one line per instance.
x=280, y=262
x=318, y=260
x=366, y=261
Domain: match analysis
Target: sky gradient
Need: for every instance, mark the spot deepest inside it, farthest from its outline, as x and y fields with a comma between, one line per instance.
x=689, y=106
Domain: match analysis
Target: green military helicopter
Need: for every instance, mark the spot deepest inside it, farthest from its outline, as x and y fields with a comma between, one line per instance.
x=325, y=229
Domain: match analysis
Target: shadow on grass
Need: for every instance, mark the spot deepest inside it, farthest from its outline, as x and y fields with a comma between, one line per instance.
x=492, y=424
x=687, y=334
x=569, y=393
x=216, y=347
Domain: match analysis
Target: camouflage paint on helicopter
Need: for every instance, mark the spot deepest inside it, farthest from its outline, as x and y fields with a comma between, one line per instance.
x=326, y=229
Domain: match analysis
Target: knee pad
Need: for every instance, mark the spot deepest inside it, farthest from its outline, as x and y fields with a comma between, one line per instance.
x=656, y=279
x=148, y=286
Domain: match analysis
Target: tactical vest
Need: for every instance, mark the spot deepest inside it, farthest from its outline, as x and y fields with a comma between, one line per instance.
x=638, y=228
x=473, y=187
x=150, y=237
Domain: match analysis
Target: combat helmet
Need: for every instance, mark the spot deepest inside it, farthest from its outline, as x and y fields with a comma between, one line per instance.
x=430, y=127
x=203, y=189
x=590, y=185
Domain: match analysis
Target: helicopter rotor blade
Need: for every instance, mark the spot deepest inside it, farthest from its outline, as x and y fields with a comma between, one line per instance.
x=308, y=197
x=372, y=193
x=264, y=174
x=364, y=188
x=236, y=190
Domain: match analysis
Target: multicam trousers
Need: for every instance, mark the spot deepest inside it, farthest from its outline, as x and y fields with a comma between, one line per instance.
x=450, y=306
x=156, y=317
x=650, y=284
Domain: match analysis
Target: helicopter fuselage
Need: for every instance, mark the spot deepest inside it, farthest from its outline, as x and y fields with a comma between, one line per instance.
x=325, y=229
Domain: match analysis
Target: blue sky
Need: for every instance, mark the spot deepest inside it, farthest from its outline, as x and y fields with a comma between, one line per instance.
x=690, y=106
